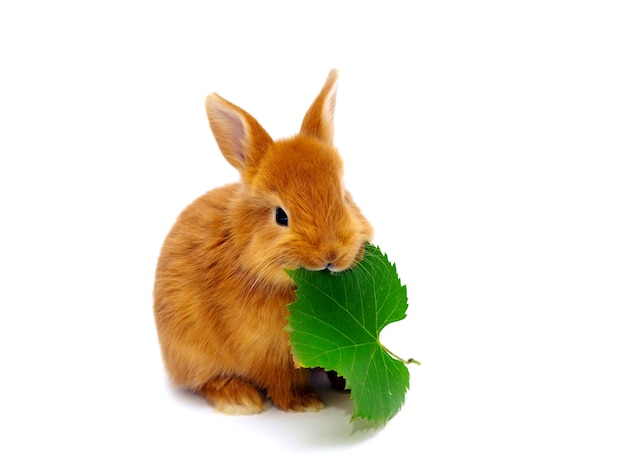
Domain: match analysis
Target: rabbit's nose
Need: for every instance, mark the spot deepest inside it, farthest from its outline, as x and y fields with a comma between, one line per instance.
x=331, y=257
x=333, y=261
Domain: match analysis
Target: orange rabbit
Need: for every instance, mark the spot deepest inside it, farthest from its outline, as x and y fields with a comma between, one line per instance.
x=221, y=292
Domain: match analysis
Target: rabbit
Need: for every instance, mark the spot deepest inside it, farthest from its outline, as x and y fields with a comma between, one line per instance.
x=221, y=290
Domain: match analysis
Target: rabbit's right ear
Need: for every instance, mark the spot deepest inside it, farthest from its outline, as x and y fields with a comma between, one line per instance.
x=241, y=138
x=319, y=119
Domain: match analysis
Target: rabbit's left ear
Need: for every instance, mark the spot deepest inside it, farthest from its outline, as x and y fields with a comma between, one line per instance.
x=241, y=138
x=319, y=120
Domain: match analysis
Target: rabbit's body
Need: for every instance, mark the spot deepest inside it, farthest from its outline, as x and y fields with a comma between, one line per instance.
x=221, y=292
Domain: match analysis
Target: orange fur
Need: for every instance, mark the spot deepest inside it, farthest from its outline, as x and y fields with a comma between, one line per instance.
x=221, y=292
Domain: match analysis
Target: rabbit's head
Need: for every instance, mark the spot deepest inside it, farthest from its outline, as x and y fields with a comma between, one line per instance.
x=292, y=210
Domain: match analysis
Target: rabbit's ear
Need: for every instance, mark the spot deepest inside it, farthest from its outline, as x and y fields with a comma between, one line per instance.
x=241, y=138
x=318, y=121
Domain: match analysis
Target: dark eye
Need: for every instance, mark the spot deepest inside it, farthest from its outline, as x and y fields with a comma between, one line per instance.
x=281, y=217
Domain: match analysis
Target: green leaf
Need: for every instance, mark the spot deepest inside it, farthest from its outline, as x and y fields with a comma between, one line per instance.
x=335, y=324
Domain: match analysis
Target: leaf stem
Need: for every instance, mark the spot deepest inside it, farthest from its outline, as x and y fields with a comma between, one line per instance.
x=405, y=361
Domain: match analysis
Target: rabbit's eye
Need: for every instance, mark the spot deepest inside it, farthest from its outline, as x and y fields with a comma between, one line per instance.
x=281, y=217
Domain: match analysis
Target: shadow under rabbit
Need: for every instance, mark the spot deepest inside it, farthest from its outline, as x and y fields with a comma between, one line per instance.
x=331, y=426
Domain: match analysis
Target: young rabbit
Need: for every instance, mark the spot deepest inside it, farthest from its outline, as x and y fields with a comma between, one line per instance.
x=221, y=291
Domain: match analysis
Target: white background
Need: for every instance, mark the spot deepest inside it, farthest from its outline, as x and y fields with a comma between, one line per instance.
x=485, y=141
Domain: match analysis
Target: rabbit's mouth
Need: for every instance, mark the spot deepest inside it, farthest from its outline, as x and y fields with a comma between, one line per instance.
x=331, y=267
x=332, y=264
